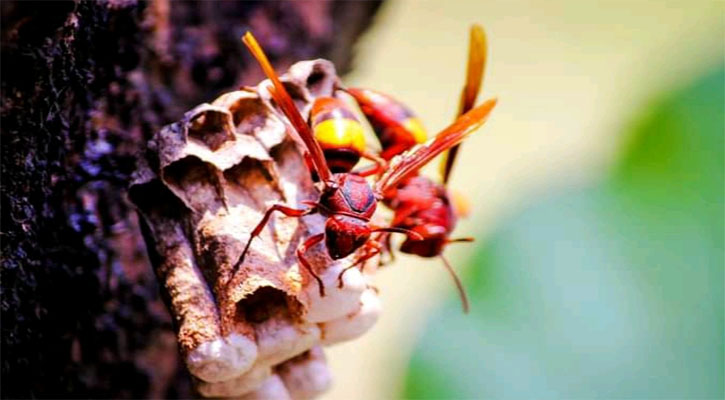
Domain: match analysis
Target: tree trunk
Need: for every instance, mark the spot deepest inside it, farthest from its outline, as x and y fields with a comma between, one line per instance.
x=84, y=86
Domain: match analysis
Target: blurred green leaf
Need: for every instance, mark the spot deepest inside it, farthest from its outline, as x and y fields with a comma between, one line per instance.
x=611, y=291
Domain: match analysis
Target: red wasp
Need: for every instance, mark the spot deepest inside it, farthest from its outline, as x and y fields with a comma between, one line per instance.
x=346, y=199
x=420, y=204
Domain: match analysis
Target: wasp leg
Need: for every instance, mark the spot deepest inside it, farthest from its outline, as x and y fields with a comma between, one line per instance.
x=290, y=212
x=385, y=244
x=389, y=247
x=377, y=248
x=301, y=256
x=379, y=165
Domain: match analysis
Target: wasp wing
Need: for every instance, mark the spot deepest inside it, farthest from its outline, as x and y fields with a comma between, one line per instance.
x=408, y=163
x=476, y=66
x=285, y=102
x=474, y=78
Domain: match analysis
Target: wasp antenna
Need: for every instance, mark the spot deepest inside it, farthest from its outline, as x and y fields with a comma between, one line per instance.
x=408, y=232
x=459, y=285
x=283, y=99
x=477, y=47
x=460, y=240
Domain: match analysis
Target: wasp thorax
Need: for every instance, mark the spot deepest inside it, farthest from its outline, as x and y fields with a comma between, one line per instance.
x=344, y=235
x=352, y=195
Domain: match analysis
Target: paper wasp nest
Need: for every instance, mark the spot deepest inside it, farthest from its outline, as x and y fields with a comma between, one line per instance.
x=201, y=188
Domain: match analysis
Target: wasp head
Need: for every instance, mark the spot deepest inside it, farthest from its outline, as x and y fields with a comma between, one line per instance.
x=344, y=235
x=430, y=244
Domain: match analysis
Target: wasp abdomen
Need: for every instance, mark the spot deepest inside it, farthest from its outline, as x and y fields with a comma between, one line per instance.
x=395, y=125
x=338, y=132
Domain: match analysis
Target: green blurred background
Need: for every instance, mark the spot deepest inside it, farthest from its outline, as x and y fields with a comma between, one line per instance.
x=597, y=188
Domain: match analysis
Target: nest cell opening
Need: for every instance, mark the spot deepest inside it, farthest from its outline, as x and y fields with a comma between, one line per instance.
x=266, y=303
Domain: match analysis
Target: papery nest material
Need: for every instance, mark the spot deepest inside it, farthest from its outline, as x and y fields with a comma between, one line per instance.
x=202, y=186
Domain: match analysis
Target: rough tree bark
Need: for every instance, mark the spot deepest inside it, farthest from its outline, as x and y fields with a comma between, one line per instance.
x=84, y=86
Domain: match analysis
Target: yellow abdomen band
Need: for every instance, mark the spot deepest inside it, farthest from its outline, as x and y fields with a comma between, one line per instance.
x=414, y=126
x=340, y=133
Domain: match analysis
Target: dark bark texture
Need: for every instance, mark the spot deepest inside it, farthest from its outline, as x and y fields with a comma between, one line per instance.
x=84, y=86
